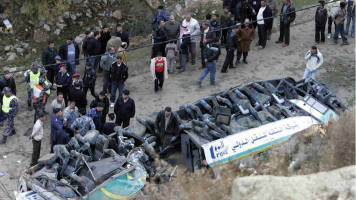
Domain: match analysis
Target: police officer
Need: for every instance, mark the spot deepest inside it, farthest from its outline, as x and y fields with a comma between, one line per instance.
x=10, y=108
x=39, y=97
x=31, y=77
x=47, y=86
x=83, y=123
x=63, y=81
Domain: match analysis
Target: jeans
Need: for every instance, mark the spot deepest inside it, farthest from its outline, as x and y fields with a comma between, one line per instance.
x=330, y=23
x=159, y=80
x=284, y=32
x=319, y=33
x=210, y=67
x=116, y=86
x=311, y=73
x=339, y=28
x=94, y=61
x=349, y=18
x=183, y=60
x=262, y=35
x=239, y=53
x=193, y=50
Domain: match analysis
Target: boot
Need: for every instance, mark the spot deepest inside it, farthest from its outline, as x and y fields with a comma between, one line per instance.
x=3, y=140
x=13, y=132
x=237, y=62
x=245, y=61
x=29, y=108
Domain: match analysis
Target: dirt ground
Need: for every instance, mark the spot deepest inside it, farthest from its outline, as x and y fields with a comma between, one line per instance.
x=270, y=63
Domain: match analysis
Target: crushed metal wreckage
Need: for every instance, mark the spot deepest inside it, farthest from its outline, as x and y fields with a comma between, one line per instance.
x=214, y=130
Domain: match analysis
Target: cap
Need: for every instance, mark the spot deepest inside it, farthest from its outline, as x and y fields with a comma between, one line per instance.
x=43, y=70
x=102, y=93
x=6, y=89
x=56, y=110
x=6, y=72
x=63, y=65
x=160, y=7
x=57, y=58
x=35, y=64
x=100, y=104
x=75, y=76
x=126, y=92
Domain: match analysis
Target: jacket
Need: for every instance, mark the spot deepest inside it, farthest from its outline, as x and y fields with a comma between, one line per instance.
x=160, y=35
x=172, y=126
x=62, y=137
x=124, y=110
x=339, y=16
x=193, y=26
x=288, y=17
x=225, y=17
x=105, y=101
x=321, y=16
x=48, y=57
x=85, y=46
x=210, y=37
x=242, y=11
x=120, y=73
x=94, y=46
x=231, y=41
x=78, y=97
x=244, y=38
x=7, y=83
x=230, y=23
x=160, y=16
x=89, y=78
x=115, y=42
x=63, y=51
x=333, y=7
x=171, y=50
x=83, y=124
x=69, y=115
x=227, y=3
x=64, y=79
x=211, y=53
x=153, y=68
x=56, y=125
x=216, y=25
x=172, y=30
x=314, y=61
x=106, y=62
x=108, y=128
x=96, y=116
x=267, y=13
x=184, y=46
x=351, y=8
x=104, y=38
x=124, y=37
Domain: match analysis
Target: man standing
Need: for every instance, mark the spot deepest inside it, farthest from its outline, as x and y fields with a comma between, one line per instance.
x=56, y=126
x=105, y=64
x=48, y=58
x=102, y=98
x=314, y=61
x=263, y=24
x=273, y=5
x=104, y=38
x=171, y=52
x=172, y=28
x=39, y=98
x=321, y=16
x=94, y=49
x=208, y=37
x=244, y=36
x=70, y=113
x=333, y=7
x=69, y=52
x=210, y=55
x=194, y=28
x=184, y=44
x=63, y=82
x=123, y=35
x=216, y=25
x=36, y=136
x=160, y=15
x=89, y=79
x=85, y=46
x=339, y=18
x=124, y=109
x=159, y=36
x=288, y=16
x=31, y=77
x=159, y=71
x=225, y=17
x=119, y=74
x=10, y=108
x=350, y=16
x=47, y=87
x=230, y=49
x=58, y=102
x=83, y=123
x=78, y=96
x=96, y=115
x=114, y=41
x=167, y=127
x=6, y=81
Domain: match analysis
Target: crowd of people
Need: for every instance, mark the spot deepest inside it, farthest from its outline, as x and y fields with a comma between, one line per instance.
x=104, y=52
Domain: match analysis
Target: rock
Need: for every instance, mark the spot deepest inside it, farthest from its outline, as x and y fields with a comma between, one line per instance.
x=11, y=69
x=78, y=14
x=57, y=31
x=80, y=23
x=34, y=50
x=73, y=17
x=60, y=19
x=46, y=27
x=20, y=50
x=88, y=14
x=61, y=26
x=77, y=1
x=40, y=36
x=105, y=1
x=336, y=184
x=66, y=15
x=117, y=14
x=8, y=48
x=11, y=56
x=79, y=38
x=153, y=3
x=25, y=45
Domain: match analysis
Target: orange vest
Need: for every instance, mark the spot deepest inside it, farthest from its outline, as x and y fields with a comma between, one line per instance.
x=37, y=89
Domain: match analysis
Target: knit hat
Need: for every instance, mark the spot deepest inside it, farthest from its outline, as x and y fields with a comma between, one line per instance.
x=56, y=110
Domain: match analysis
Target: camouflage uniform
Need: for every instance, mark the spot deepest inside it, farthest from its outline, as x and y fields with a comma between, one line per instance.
x=83, y=124
x=10, y=116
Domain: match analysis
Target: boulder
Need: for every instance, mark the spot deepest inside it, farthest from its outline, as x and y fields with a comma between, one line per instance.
x=336, y=184
x=40, y=36
x=60, y=19
x=88, y=13
x=8, y=48
x=25, y=45
x=105, y=1
x=153, y=3
x=34, y=50
x=61, y=26
x=11, y=56
x=66, y=15
x=79, y=38
x=73, y=17
x=11, y=69
x=57, y=31
x=117, y=14
x=78, y=14
x=46, y=27
x=20, y=50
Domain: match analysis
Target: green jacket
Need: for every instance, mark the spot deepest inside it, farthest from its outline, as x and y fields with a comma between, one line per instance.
x=106, y=62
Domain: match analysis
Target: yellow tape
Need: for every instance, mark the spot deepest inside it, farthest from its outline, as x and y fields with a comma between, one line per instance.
x=114, y=196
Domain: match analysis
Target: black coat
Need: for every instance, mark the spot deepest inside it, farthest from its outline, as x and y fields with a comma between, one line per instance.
x=288, y=18
x=160, y=35
x=108, y=128
x=104, y=38
x=211, y=53
x=7, y=83
x=210, y=37
x=64, y=79
x=124, y=110
x=48, y=57
x=268, y=13
x=231, y=42
x=85, y=45
x=119, y=74
x=89, y=77
x=124, y=37
x=78, y=97
x=94, y=46
x=243, y=11
x=227, y=3
x=185, y=44
x=172, y=127
x=321, y=16
x=63, y=51
x=105, y=101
